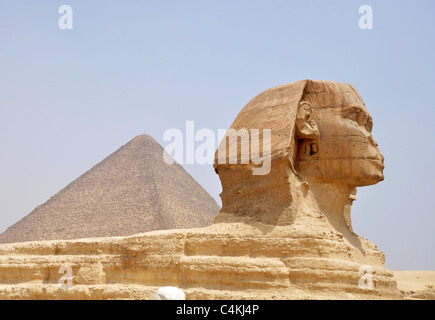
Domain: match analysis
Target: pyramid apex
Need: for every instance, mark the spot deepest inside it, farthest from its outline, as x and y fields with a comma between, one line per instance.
x=142, y=138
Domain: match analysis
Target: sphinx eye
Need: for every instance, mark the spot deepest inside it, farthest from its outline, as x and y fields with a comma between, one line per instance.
x=353, y=114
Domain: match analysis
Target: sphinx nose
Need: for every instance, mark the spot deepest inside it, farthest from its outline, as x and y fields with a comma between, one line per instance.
x=373, y=141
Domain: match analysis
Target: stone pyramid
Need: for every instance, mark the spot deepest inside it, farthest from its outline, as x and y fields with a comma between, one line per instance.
x=131, y=191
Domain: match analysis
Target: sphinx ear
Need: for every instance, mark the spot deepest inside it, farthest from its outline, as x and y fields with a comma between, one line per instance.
x=306, y=127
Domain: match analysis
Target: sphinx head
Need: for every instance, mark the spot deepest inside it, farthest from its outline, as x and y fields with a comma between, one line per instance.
x=333, y=136
x=320, y=136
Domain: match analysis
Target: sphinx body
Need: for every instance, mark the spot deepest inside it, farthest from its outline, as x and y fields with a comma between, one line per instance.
x=283, y=235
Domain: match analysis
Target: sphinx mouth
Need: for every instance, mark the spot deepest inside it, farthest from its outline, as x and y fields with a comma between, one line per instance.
x=378, y=161
x=377, y=157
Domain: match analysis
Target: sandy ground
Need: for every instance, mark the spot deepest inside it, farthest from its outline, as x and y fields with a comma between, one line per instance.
x=416, y=284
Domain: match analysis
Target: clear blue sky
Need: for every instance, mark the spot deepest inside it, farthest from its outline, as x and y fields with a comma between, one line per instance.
x=69, y=98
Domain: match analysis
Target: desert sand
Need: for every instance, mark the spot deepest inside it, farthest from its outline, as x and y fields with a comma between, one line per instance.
x=416, y=284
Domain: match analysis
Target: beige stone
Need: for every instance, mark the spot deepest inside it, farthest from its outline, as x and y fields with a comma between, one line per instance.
x=284, y=235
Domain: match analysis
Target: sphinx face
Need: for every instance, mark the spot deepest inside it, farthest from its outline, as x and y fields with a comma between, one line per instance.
x=345, y=149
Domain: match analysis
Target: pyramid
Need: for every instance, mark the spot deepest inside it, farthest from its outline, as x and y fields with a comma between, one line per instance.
x=131, y=191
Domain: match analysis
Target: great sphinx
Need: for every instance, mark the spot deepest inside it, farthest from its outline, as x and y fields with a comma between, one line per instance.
x=286, y=234
x=321, y=150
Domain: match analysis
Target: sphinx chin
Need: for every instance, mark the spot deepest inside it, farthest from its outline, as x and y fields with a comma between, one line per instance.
x=372, y=174
x=363, y=172
x=368, y=179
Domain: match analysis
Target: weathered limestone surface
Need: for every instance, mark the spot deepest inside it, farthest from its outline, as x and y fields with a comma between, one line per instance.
x=283, y=235
x=223, y=261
